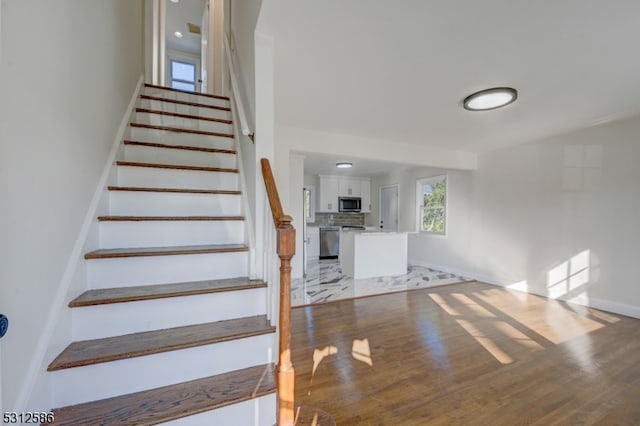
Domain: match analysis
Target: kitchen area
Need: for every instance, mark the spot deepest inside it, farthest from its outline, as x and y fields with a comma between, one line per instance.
x=337, y=204
x=336, y=211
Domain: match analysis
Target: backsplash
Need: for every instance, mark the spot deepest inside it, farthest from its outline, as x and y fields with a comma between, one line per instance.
x=338, y=219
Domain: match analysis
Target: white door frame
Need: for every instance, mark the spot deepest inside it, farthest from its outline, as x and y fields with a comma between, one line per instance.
x=397, y=187
x=158, y=44
x=204, y=49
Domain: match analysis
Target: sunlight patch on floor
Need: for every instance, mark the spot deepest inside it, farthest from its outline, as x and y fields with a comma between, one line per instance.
x=361, y=351
x=481, y=311
x=320, y=354
x=486, y=342
x=443, y=304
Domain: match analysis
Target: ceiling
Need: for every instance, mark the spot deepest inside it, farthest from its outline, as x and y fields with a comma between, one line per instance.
x=178, y=15
x=325, y=164
x=399, y=71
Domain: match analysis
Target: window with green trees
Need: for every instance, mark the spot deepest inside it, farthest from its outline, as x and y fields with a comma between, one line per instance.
x=432, y=196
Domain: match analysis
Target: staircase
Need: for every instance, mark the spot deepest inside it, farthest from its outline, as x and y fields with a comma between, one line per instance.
x=171, y=328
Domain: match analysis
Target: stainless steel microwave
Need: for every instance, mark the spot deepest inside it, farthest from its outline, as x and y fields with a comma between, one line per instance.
x=349, y=204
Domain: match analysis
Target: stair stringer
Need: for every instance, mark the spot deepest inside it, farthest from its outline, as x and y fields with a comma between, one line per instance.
x=35, y=395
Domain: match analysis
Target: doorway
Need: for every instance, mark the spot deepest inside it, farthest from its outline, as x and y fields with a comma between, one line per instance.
x=389, y=208
x=180, y=44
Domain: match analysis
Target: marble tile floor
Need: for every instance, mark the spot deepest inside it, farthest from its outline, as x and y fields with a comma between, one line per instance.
x=325, y=282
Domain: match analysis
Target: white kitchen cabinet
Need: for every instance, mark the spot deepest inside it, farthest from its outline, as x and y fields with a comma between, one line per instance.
x=328, y=194
x=365, y=194
x=349, y=187
x=333, y=187
x=313, y=242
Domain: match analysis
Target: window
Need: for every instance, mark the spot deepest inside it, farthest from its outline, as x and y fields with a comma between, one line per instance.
x=432, y=204
x=183, y=76
x=309, y=204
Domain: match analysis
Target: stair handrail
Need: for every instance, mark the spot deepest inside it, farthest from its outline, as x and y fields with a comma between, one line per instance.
x=244, y=124
x=286, y=248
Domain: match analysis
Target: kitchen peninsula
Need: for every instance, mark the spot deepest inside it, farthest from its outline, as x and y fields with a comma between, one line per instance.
x=373, y=254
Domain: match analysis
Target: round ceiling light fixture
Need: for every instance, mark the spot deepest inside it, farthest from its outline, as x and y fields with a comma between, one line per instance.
x=488, y=99
x=178, y=34
x=344, y=165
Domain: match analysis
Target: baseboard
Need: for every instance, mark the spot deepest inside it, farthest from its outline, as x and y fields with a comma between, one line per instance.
x=456, y=271
x=591, y=302
x=26, y=400
x=615, y=307
x=583, y=300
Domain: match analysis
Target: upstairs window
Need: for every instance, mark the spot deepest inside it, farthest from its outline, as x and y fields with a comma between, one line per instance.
x=432, y=204
x=183, y=76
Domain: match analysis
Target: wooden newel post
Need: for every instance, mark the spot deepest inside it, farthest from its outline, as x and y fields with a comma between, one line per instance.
x=286, y=249
x=286, y=376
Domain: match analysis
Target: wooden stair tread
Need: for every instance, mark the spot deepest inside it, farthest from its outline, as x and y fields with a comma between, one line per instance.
x=182, y=147
x=187, y=103
x=172, y=402
x=181, y=130
x=176, y=167
x=177, y=114
x=178, y=190
x=160, y=291
x=166, y=218
x=171, y=89
x=165, y=251
x=95, y=351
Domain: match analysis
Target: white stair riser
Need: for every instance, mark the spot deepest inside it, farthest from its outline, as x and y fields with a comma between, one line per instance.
x=183, y=123
x=184, y=109
x=116, y=234
x=181, y=138
x=171, y=178
x=145, y=154
x=188, y=97
x=256, y=412
x=108, y=379
x=130, y=271
x=168, y=203
x=94, y=322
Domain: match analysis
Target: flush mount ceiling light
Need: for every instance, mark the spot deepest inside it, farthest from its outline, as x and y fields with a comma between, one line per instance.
x=178, y=34
x=484, y=100
x=175, y=1
x=344, y=165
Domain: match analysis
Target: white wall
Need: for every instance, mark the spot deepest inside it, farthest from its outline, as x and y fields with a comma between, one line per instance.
x=313, y=141
x=65, y=86
x=572, y=198
x=215, y=49
x=296, y=210
x=1, y=304
x=556, y=217
x=243, y=19
x=449, y=252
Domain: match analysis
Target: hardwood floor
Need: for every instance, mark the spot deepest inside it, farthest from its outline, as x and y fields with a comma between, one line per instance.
x=468, y=354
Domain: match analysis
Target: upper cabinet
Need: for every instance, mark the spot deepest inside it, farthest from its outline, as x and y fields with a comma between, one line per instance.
x=333, y=187
x=328, y=194
x=365, y=194
x=349, y=187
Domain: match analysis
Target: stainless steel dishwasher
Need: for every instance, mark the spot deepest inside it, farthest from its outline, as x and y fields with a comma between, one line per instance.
x=329, y=242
